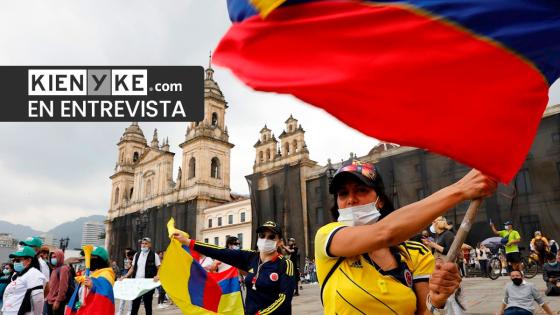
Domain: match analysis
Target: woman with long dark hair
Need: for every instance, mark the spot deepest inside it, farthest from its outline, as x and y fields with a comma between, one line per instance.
x=364, y=261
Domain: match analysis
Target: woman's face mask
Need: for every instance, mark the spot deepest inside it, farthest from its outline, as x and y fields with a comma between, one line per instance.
x=360, y=215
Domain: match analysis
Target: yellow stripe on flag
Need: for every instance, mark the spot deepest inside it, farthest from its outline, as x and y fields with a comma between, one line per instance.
x=266, y=6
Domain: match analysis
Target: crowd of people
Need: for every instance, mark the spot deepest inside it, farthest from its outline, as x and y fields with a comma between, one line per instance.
x=364, y=260
x=39, y=281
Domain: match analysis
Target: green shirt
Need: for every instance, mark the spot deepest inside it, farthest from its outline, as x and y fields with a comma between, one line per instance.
x=513, y=235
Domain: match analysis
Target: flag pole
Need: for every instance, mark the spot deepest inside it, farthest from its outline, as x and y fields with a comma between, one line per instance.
x=463, y=231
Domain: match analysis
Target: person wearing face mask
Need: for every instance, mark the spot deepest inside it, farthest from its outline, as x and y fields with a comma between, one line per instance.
x=520, y=296
x=510, y=239
x=60, y=290
x=5, y=279
x=293, y=254
x=99, y=284
x=145, y=264
x=551, y=275
x=365, y=263
x=270, y=276
x=24, y=294
x=444, y=236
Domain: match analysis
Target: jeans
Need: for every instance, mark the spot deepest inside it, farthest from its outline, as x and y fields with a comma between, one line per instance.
x=517, y=311
x=59, y=311
x=161, y=295
x=147, y=298
x=484, y=267
x=124, y=307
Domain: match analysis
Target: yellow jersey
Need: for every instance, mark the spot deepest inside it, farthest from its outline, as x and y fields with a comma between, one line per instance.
x=359, y=286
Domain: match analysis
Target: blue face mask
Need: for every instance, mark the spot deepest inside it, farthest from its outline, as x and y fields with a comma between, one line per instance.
x=18, y=267
x=54, y=261
x=6, y=271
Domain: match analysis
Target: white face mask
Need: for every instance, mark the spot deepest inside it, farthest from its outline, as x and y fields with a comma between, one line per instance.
x=266, y=246
x=235, y=247
x=359, y=215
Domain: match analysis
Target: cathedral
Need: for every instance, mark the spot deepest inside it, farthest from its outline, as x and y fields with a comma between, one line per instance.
x=144, y=194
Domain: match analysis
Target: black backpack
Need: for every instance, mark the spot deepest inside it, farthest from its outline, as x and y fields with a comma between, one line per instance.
x=71, y=282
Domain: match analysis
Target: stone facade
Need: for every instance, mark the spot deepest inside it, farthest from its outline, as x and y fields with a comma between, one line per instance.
x=144, y=195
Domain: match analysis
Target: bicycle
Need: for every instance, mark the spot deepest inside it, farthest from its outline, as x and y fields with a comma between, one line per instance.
x=495, y=264
x=532, y=265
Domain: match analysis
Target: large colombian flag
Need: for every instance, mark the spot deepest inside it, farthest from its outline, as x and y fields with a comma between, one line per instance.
x=194, y=290
x=99, y=301
x=465, y=78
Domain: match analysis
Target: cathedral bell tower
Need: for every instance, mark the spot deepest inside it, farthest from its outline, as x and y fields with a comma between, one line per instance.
x=131, y=147
x=206, y=153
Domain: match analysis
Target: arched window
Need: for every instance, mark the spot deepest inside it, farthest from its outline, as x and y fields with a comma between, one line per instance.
x=214, y=119
x=294, y=146
x=131, y=191
x=116, y=195
x=267, y=154
x=215, y=168
x=290, y=128
x=148, y=188
x=287, y=147
x=261, y=156
x=122, y=157
x=135, y=157
x=192, y=168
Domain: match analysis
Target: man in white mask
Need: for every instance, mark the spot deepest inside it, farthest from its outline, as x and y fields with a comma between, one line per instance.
x=145, y=264
x=270, y=276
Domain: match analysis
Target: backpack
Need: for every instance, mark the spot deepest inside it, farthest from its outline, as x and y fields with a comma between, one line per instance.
x=71, y=282
x=539, y=245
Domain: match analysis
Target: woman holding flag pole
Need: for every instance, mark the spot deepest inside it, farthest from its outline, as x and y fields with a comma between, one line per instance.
x=94, y=293
x=364, y=262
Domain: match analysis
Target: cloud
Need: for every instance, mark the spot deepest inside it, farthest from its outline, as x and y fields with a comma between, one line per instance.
x=43, y=202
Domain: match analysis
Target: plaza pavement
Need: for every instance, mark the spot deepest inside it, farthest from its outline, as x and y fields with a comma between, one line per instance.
x=481, y=296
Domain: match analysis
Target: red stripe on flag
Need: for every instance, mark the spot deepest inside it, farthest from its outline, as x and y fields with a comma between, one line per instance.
x=396, y=75
x=212, y=294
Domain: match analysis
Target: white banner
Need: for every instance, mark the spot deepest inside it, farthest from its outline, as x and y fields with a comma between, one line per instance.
x=129, y=289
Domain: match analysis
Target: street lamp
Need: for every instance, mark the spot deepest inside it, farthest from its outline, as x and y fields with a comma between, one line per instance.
x=330, y=171
x=64, y=243
x=141, y=224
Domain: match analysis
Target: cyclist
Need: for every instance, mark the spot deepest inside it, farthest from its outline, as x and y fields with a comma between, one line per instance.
x=510, y=238
x=539, y=245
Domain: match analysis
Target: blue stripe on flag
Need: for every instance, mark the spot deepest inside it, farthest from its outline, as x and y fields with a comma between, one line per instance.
x=230, y=285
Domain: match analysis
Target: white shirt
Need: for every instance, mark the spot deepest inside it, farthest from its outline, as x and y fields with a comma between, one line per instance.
x=206, y=262
x=141, y=271
x=15, y=291
x=44, y=269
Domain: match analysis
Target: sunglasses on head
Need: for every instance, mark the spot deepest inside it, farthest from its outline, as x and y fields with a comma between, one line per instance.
x=366, y=169
x=270, y=236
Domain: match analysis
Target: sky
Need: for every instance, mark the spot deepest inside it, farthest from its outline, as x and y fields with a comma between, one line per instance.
x=55, y=172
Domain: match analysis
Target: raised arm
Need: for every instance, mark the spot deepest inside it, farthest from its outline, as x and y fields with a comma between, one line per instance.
x=496, y=232
x=411, y=219
x=237, y=258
